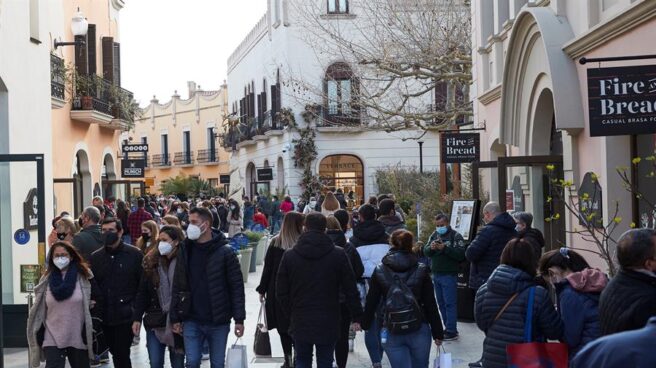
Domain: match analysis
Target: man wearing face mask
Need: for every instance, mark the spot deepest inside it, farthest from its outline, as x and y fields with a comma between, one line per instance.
x=446, y=249
x=89, y=239
x=117, y=268
x=208, y=291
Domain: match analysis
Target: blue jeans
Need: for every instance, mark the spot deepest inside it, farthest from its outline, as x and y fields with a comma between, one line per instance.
x=157, y=350
x=446, y=292
x=304, y=355
x=194, y=335
x=372, y=342
x=411, y=350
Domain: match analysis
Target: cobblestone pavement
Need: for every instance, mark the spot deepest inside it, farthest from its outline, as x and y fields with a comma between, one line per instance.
x=465, y=350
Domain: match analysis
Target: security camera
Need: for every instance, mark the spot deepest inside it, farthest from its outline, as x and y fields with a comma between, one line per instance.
x=286, y=147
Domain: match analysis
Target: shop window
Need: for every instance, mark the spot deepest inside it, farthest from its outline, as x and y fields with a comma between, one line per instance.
x=344, y=172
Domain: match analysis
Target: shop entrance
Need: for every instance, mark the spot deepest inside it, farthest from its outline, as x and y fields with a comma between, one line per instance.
x=345, y=172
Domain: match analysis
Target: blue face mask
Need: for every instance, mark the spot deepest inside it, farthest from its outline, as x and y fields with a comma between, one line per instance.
x=442, y=230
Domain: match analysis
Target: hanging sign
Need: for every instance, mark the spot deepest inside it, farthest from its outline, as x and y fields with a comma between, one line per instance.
x=460, y=147
x=265, y=174
x=29, y=277
x=133, y=168
x=136, y=148
x=224, y=179
x=31, y=210
x=590, y=205
x=622, y=100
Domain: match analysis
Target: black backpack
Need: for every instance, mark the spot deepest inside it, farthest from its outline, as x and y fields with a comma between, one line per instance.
x=402, y=313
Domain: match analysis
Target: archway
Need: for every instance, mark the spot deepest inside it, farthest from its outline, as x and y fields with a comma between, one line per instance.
x=108, y=175
x=250, y=179
x=280, y=174
x=345, y=172
x=83, y=182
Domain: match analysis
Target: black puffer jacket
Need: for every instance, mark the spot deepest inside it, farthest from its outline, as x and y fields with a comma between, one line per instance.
x=484, y=252
x=225, y=283
x=88, y=241
x=309, y=281
x=118, y=274
x=627, y=302
x=407, y=266
x=391, y=223
x=509, y=328
x=339, y=239
x=275, y=316
x=369, y=232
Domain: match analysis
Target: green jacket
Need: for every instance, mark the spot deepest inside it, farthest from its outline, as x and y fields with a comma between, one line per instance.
x=446, y=261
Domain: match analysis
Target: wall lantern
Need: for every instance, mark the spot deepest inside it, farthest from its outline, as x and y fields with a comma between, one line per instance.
x=79, y=27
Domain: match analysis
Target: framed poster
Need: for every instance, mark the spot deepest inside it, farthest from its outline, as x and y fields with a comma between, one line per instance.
x=463, y=217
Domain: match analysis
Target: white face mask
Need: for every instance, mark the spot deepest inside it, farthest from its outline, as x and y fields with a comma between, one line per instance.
x=165, y=248
x=180, y=210
x=193, y=232
x=61, y=262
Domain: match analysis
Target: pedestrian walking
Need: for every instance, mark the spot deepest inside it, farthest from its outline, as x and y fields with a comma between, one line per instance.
x=310, y=207
x=122, y=213
x=223, y=211
x=629, y=300
x=310, y=278
x=149, y=236
x=287, y=205
x=235, y=222
x=59, y=325
x=98, y=201
x=136, y=219
x=411, y=318
x=208, y=291
x=276, y=214
x=634, y=348
x=501, y=302
x=372, y=243
x=117, y=268
x=339, y=195
x=523, y=221
x=260, y=218
x=182, y=212
x=387, y=216
x=336, y=234
x=578, y=288
x=89, y=239
x=249, y=211
x=446, y=249
x=329, y=205
x=154, y=300
x=290, y=231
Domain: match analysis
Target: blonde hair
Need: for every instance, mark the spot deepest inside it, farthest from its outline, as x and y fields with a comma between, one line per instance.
x=332, y=223
x=171, y=220
x=69, y=225
x=154, y=234
x=330, y=203
x=290, y=230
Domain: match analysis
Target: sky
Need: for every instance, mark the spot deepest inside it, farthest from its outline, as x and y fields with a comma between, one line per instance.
x=165, y=43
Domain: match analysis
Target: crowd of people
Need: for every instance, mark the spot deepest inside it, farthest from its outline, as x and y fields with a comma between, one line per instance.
x=164, y=265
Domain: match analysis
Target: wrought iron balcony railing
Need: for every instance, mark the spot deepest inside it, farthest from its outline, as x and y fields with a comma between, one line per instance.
x=184, y=158
x=208, y=156
x=57, y=77
x=162, y=160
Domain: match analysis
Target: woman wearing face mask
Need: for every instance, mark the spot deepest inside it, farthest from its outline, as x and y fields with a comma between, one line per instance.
x=122, y=213
x=59, y=326
x=148, y=238
x=309, y=208
x=234, y=219
x=154, y=299
x=578, y=288
x=66, y=229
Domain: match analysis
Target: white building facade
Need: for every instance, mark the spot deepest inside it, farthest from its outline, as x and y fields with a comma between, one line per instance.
x=263, y=75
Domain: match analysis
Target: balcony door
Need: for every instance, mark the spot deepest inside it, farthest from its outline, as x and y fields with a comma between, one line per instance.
x=186, y=146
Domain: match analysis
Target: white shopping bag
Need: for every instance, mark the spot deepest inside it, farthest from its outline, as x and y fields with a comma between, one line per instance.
x=443, y=360
x=237, y=356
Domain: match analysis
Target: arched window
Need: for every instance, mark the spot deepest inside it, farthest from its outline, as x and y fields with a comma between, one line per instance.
x=338, y=7
x=340, y=89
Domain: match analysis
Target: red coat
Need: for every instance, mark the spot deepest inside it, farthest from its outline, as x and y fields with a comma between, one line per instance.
x=260, y=218
x=286, y=207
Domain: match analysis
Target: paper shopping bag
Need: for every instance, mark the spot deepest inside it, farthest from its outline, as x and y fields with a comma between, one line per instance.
x=237, y=356
x=443, y=360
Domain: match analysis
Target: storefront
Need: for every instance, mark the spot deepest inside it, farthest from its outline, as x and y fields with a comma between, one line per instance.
x=345, y=172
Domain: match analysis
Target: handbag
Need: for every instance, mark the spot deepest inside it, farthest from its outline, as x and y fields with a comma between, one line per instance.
x=535, y=354
x=236, y=356
x=262, y=344
x=155, y=319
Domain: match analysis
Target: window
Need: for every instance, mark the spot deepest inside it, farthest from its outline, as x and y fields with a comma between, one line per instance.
x=340, y=86
x=34, y=21
x=344, y=172
x=214, y=182
x=211, y=144
x=165, y=148
x=338, y=7
x=186, y=146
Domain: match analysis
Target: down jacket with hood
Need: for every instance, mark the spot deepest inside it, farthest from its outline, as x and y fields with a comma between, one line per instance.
x=309, y=281
x=484, y=252
x=372, y=243
x=391, y=223
x=578, y=304
x=509, y=328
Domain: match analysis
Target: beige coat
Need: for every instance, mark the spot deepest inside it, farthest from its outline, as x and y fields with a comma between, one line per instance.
x=37, y=318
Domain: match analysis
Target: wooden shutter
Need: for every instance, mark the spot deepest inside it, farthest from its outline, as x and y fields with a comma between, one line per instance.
x=81, y=56
x=117, y=63
x=108, y=58
x=91, y=49
x=274, y=101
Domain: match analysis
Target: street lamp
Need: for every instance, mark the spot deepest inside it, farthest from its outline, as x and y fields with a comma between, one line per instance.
x=79, y=28
x=421, y=156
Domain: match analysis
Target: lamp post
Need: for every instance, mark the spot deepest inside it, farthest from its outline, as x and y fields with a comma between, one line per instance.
x=79, y=28
x=421, y=156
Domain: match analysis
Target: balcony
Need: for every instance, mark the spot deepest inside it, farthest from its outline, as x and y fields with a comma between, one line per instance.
x=267, y=125
x=208, y=157
x=57, y=82
x=163, y=160
x=184, y=158
x=98, y=101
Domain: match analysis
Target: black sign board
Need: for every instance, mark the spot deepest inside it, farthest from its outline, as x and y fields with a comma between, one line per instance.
x=135, y=148
x=31, y=210
x=224, y=179
x=133, y=168
x=460, y=147
x=622, y=100
x=265, y=174
x=590, y=205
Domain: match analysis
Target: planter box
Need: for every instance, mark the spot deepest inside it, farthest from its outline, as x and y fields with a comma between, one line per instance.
x=253, y=265
x=261, y=250
x=245, y=262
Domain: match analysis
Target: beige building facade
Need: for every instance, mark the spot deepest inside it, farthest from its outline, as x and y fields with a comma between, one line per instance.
x=182, y=137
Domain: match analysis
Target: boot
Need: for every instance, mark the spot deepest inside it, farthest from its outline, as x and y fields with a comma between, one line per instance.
x=289, y=362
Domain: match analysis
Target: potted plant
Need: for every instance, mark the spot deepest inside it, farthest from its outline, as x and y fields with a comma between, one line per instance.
x=246, y=254
x=84, y=85
x=123, y=105
x=261, y=248
x=253, y=239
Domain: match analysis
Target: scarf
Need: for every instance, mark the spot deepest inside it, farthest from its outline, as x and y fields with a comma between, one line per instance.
x=63, y=287
x=165, y=335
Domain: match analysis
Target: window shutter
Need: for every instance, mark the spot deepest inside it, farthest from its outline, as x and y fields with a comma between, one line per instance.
x=274, y=101
x=91, y=49
x=117, y=64
x=108, y=58
x=81, y=57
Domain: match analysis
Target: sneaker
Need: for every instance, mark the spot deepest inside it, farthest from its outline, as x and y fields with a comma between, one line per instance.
x=477, y=364
x=104, y=358
x=450, y=336
x=95, y=363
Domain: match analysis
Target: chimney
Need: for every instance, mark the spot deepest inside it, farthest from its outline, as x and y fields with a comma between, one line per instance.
x=192, y=88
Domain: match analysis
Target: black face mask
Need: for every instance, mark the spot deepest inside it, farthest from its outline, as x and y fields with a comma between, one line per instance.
x=146, y=237
x=61, y=236
x=109, y=238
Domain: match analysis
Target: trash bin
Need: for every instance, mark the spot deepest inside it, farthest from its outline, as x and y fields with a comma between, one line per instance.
x=465, y=294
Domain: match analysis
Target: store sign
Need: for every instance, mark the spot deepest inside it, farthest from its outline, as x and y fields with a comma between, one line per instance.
x=224, y=179
x=590, y=205
x=135, y=148
x=31, y=210
x=622, y=100
x=133, y=168
x=29, y=277
x=265, y=174
x=460, y=147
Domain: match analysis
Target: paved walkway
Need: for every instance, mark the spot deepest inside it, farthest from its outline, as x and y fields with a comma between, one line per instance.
x=465, y=350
